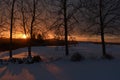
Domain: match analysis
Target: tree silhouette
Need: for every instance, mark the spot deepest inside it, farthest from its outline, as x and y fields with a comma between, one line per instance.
x=11, y=27
x=102, y=18
x=63, y=11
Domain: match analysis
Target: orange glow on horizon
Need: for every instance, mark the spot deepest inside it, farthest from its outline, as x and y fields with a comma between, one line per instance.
x=24, y=36
x=20, y=35
x=51, y=36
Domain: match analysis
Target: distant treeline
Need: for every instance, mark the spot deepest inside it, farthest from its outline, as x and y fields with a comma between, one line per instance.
x=20, y=43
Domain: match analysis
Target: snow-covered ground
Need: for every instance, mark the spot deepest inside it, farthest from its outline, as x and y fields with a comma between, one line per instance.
x=92, y=68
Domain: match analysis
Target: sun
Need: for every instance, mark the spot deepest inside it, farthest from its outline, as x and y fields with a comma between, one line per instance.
x=24, y=36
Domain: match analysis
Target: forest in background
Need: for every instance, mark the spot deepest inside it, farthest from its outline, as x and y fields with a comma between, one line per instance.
x=60, y=18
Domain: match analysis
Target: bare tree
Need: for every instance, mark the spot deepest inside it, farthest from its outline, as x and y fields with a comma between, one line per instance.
x=66, y=26
x=22, y=11
x=102, y=18
x=102, y=27
x=34, y=22
x=64, y=11
x=11, y=26
x=24, y=20
x=32, y=15
x=31, y=19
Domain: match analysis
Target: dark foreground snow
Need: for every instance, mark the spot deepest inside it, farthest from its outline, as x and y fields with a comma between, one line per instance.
x=92, y=68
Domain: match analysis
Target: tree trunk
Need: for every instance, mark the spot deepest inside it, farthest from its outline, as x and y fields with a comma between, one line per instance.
x=102, y=30
x=66, y=27
x=29, y=49
x=31, y=29
x=11, y=27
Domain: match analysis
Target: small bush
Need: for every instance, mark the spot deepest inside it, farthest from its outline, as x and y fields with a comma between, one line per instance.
x=77, y=57
x=12, y=60
x=28, y=60
x=36, y=58
x=108, y=56
x=20, y=61
x=16, y=60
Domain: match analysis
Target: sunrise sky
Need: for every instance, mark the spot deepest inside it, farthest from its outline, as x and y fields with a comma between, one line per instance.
x=20, y=35
x=45, y=19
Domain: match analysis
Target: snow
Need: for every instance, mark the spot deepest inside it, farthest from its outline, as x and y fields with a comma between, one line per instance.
x=92, y=68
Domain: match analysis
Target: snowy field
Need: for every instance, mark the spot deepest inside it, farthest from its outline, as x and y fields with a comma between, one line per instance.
x=92, y=68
